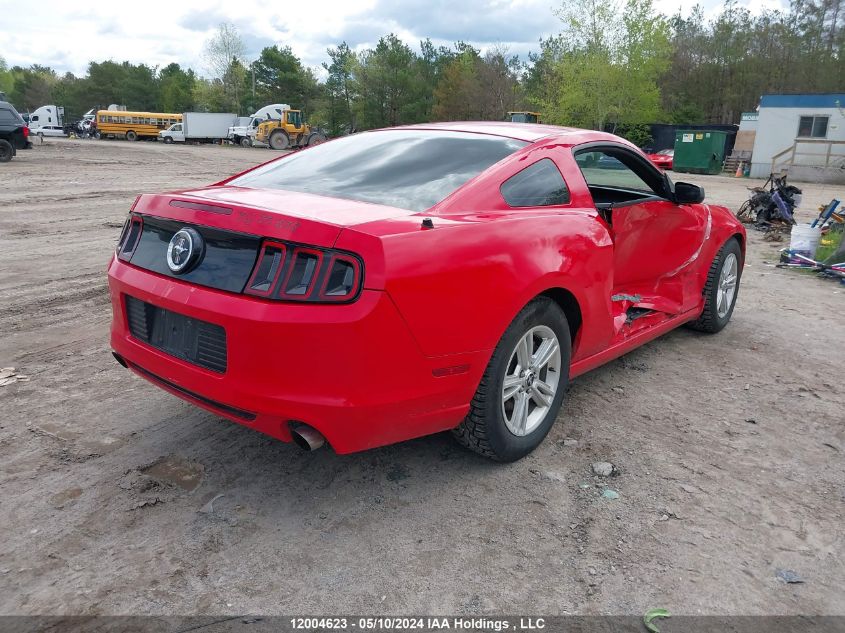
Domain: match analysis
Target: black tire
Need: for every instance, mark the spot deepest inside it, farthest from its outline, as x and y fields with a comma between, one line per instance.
x=6, y=151
x=710, y=321
x=98, y=135
x=131, y=135
x=484, y=430
x=168, y=140
x=279, y=140
x=246, y=142
x=315, y=138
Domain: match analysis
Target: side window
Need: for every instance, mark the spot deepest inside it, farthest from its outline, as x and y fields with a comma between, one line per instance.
x=538, y=185
x=606, y=171
x=6, y=116
x=813, y=126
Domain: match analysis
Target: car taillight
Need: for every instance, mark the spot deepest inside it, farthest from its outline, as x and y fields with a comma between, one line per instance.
x=287, y=272
x=129, y=237
x=26, y=131
x=267, y=269
x=342, y=278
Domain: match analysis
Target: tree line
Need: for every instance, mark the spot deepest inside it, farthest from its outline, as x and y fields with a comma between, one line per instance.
x=615, y=64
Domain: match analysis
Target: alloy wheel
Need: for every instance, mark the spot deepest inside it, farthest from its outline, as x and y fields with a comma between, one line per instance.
x=531, y=380
x=727, y=285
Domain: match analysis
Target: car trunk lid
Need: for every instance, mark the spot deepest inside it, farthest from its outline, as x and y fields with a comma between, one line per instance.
x=302, y=217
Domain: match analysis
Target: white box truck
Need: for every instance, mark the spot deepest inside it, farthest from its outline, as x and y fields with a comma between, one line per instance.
x=201, y=127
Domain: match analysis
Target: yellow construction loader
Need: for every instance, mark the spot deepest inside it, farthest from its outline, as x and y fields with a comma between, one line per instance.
x=291, y=131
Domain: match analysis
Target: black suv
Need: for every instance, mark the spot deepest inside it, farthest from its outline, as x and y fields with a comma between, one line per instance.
x=14, y=134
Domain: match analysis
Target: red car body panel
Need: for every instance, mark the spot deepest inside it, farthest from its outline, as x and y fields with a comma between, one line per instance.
x=663, y=161
x=408, y=354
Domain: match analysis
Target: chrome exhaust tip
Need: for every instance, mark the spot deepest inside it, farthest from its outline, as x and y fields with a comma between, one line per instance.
x=307, y=438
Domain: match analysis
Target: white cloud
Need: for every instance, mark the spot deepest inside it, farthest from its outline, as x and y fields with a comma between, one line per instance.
x=56, y=33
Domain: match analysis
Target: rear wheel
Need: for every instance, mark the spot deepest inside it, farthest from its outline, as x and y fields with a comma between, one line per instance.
x=131, y=135
x=522, y=389
x=6, y=151
x=279, y=140
x=721, y=289
x=315, y=138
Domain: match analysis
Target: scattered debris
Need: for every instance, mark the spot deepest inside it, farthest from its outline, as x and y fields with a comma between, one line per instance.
x=653, y=614
x=148, y=502
x=751, y=420
x=669, y=514
x=8, y=376
x=610, y=494
x=554, y=476
x=570, y=442
x=788, y=576
x=208, y=508
x=603, y=469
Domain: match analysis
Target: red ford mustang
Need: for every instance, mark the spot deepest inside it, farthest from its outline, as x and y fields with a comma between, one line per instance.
x=407, y=281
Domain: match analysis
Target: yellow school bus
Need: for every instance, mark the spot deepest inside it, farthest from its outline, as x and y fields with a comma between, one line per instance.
x=133, y=125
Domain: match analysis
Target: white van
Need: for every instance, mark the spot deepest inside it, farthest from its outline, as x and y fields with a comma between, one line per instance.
x=47, y=121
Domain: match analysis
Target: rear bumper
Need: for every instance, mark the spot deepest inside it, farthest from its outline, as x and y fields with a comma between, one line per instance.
x=353, y=372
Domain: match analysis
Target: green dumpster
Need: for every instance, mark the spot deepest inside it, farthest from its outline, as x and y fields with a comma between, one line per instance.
x=699, y=151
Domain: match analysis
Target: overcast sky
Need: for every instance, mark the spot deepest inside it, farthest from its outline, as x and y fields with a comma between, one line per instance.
x=67, y=35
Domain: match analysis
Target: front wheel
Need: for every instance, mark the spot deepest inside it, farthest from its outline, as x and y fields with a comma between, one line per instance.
x=246, y=142
x=168, y=140
x=522, y=389
x=721, y=289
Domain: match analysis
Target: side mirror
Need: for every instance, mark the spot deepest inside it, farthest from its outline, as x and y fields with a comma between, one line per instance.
x=687, y=193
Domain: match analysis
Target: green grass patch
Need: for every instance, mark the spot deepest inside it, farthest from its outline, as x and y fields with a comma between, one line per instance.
x=829, y=244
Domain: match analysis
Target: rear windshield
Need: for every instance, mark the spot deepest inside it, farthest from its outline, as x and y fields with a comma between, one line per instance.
x=8, y=114
x=409, y=169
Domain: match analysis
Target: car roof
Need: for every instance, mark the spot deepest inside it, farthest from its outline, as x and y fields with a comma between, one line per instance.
x=530, y=132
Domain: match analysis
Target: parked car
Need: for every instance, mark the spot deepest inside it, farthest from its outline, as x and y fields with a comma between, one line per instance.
x=14, y=134
x=401, y=282
x=663, y=158
x=609, y=162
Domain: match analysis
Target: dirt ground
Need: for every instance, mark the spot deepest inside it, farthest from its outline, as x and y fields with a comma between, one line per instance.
x=729, y=451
